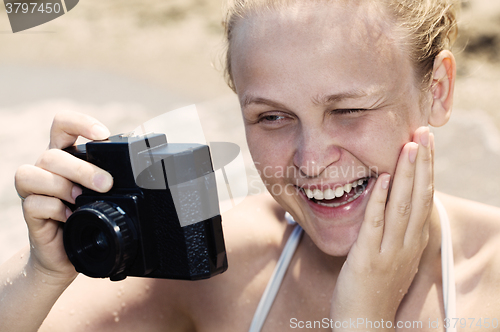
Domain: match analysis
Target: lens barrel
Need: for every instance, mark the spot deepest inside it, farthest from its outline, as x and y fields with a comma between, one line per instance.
x=100, y=240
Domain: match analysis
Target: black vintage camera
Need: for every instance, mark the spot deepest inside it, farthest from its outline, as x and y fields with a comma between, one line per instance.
x=161, y=218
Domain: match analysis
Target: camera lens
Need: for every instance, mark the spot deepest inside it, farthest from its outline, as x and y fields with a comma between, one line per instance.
x=95, y=243
x=100, y=239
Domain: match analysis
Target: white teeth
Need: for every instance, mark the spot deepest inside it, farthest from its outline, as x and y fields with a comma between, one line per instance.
x=341, y=203
x=331, y=193
x=318, y=194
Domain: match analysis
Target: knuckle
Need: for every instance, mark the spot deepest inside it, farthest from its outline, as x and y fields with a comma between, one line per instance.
x=428, y=195
x=42, y=207
x=378, y=221
x=426, y=157
x=22, y=175
x=47, y=158
x=409, y=173
x=30, y=205
x=404, y=209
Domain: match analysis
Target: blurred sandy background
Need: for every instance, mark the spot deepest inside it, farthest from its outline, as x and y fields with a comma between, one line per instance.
x=126, y=62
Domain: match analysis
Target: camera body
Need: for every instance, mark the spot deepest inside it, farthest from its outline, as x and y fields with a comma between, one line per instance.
x=159, y=220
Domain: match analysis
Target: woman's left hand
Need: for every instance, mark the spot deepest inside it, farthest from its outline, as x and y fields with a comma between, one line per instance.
x=383, y=261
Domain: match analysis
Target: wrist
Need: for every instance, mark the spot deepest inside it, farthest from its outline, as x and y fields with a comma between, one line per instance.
x=40, y=274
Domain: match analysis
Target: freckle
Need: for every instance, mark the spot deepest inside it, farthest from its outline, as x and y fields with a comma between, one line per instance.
x=22, y=256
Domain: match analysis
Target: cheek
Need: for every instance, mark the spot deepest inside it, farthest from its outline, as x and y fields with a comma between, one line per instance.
x=378, y=142
x=271, y=155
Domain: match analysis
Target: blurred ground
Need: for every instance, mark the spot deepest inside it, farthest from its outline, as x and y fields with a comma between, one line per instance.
x=126, y=62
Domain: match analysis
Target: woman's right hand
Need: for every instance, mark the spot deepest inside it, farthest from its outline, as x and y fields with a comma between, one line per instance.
x=57, y=176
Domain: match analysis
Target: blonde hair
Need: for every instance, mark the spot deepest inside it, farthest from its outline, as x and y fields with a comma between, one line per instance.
x=430, y=26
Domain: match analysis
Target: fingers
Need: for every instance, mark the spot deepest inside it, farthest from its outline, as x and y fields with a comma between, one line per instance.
x=399, y=207
x=423, y=191
x=39, y=209
x=34, y=180
x=372, y=229
x=67, y=126
x=411, y=195
x=76, y=170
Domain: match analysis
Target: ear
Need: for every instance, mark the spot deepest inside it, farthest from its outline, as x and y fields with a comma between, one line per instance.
x=443, y=84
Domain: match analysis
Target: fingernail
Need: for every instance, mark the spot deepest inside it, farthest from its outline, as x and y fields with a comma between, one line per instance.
x=385, y=181
x=100, y=132
x=68, y=213
x=75, y=192
x=424, y=138
x=103, y=181
x=413, y=153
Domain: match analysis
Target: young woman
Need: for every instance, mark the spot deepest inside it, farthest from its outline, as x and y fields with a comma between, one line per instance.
x=336, y=97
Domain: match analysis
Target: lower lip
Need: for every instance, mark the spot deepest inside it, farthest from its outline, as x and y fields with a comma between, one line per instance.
x=341, y=211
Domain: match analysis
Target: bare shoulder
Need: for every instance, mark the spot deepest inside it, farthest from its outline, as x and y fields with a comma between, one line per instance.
x=475, y=226
x=475, y=235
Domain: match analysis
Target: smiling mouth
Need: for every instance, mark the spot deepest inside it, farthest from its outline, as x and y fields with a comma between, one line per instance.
x=340, y=196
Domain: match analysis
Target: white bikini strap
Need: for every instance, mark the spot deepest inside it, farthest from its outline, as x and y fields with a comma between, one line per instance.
x=274, y=284
x=447, y=266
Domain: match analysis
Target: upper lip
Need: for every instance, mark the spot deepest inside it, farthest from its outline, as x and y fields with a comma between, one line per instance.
x=324, y=186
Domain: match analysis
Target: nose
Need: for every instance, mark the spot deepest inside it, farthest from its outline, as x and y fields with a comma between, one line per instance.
x=314, y=154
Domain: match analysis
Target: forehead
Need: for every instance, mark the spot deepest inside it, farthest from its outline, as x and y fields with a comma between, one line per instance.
x=314, y=43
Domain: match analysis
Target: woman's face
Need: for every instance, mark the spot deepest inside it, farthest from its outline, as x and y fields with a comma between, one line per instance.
x=329, y=99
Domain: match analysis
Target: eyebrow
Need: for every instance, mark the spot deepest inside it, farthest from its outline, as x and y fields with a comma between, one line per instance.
x=317, y=100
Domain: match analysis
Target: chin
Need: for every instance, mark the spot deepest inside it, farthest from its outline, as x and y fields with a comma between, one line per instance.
x=336, y=240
